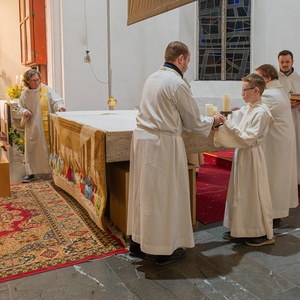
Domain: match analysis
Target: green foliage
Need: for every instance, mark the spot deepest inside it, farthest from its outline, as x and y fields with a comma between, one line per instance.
x=18, y=139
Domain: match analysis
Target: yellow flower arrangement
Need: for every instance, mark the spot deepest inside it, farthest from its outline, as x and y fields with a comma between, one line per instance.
x=18, y=138
x=15, y=91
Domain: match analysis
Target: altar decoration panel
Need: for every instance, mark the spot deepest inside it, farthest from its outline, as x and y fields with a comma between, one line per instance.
x=77, y=162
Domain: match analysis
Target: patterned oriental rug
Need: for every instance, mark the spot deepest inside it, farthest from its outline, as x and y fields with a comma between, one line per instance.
x=42, y=228
x=211, y=186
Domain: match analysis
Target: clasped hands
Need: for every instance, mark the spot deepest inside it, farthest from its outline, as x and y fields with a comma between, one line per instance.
x=218, y=120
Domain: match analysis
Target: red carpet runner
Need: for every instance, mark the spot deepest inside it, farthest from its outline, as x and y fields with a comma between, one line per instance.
x=211, y=186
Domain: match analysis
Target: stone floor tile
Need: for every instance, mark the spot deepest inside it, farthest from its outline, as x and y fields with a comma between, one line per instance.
x=4, y=291
x=82, y=281
x=291, y=294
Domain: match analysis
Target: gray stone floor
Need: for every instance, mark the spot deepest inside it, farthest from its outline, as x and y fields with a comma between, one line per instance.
x=215, y=269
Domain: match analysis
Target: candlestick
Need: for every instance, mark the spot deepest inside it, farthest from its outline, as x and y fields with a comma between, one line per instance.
x=215, y=110
x=226, y=102
x=111, y=102
x=209, y=110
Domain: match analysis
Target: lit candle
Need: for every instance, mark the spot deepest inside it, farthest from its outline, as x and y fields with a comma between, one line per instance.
x=17, y=78
x=209, y=110
x=226, y=102
x=215, y=110
x=21, y=80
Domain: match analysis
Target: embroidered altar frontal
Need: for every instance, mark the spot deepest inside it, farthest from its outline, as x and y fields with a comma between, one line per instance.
x=78, y=154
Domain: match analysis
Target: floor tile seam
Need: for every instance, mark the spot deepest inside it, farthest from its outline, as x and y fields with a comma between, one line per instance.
x=117, y=276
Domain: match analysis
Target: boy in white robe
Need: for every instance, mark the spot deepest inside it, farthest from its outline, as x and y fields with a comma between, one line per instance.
x=248, y=212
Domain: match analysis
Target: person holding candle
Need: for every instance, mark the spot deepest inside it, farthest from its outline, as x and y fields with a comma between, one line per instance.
x=290, y=81
x=280, y=159
x=35, y=103
x=159, y=217
x=248, y=211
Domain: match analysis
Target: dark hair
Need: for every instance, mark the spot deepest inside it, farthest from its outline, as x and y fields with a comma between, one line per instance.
x=28, y=74
x=174, y=50
x=268, y=71
x=256, y=80
x=286, y=52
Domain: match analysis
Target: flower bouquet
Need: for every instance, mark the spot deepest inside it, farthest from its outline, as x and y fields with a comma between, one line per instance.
x=14, y=92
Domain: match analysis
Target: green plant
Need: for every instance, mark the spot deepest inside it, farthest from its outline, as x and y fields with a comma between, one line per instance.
x=18, y=138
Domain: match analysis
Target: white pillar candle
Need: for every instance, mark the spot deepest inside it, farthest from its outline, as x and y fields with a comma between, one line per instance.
x=21, y=80
x=215, y=110
x=17, y=78
x=209, y=110
x=226, y=102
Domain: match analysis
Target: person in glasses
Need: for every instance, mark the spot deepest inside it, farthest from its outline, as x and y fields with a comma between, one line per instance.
x=35, y=103
x=248, y=211
x=280, y=159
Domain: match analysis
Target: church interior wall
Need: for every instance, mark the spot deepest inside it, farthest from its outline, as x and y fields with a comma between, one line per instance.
x=10, y=53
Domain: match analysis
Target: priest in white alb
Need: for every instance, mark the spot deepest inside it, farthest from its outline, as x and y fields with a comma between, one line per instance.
x=280, y=159
x=159, y=213
x=248, y=210
x=290, y=81
x=36, y=102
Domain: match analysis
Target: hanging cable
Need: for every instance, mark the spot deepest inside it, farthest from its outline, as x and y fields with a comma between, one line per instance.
x=87, y=57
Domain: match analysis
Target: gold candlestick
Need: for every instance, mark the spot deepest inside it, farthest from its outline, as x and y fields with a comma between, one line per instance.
x=111, y=102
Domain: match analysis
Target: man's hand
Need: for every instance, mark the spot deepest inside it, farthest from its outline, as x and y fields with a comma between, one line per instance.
x=62, y=109
x=218, y=120
x=295, y=104
x=235, y=108
x=27, y=113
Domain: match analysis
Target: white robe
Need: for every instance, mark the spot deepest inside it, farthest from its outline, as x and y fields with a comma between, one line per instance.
x=159, y=214
x=279, y=148
x=291, y=84
x=36, y=153
x=248, y=211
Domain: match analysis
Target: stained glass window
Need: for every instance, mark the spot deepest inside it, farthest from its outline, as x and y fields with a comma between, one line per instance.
x=238, y=24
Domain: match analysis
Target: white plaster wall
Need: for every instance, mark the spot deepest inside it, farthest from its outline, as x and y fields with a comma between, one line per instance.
x=137, y=50
x=81, y=89
x=276, y=27
x=10, y=53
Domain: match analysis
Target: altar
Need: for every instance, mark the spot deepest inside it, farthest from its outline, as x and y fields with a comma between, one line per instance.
x=87, y=145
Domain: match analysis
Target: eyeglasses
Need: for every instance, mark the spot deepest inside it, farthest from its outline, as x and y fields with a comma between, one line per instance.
x=34, y=80
x=244, y=90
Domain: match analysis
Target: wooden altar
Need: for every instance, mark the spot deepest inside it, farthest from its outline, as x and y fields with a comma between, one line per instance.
x=96, y=145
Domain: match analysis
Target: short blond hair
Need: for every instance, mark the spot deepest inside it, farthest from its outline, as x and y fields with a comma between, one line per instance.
x=174, y=50
x=256, y=80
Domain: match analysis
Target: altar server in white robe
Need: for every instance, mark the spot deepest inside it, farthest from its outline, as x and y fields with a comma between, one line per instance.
x=290, y=81
x=35, y=103
x=248, y=211
x=159, y=215
x=280, y=159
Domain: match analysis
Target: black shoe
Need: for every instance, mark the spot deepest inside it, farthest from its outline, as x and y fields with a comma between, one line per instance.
x=28, y=178
x=260, y=241
x=177, y=255
x=135, y=248
x=227, y=236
